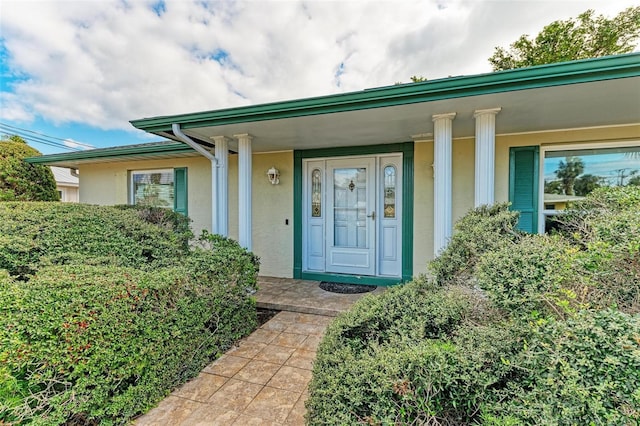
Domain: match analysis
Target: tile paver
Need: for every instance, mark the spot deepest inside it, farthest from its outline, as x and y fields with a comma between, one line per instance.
x=275, y=354
x=200, y=388
x=263, y=380
x=227, y=365
x=272, y=404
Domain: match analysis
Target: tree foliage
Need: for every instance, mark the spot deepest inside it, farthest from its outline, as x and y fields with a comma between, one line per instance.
x=22, y=181
x=568, y=172
x=587, y=36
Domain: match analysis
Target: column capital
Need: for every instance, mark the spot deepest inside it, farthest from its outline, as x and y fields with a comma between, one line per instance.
x=493, y=111
x=221, y=138
x=243, y=136
x=445, y=116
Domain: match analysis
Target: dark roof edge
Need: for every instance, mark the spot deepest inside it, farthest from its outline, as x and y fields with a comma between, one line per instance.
x=114, y=152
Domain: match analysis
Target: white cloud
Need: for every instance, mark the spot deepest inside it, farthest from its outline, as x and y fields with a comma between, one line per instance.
x=103, y=63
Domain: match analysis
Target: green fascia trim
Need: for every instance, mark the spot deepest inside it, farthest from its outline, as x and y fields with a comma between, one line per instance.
x=151, y=150
x=350, y=279
x=406, y=149
x=582, y=71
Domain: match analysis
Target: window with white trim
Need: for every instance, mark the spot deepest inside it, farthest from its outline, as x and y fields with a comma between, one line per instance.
x=153, y=188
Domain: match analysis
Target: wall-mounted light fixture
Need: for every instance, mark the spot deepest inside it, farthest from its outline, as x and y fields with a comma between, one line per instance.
x=274, y=176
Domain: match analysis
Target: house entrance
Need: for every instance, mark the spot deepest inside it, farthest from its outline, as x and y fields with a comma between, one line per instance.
x=352, y=215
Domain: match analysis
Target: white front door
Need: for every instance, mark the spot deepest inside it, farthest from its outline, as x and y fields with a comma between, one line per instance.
x=352, y=210
x=351, y=216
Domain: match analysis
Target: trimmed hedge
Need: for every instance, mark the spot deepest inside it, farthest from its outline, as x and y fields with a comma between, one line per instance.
x=512, y=329
x=22, y=181
x=432, y=365
x=36, y=234
x=99, y=335
x=585, y=370
x=480, y=230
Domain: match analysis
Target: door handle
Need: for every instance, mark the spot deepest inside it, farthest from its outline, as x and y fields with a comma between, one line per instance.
x=372, y=215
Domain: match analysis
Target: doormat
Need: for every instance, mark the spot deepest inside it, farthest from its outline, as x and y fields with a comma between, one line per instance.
x=346, y=288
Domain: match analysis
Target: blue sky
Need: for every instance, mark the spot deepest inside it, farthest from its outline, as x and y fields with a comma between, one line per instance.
x=607, y=166
x=79, y=70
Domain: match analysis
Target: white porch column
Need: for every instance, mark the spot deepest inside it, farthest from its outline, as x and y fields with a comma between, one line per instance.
x=244, y=190
x=485, y=155
x=222, y=203
x=442, y=164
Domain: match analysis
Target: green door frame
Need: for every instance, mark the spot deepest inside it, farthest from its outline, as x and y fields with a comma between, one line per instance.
x=406, y=149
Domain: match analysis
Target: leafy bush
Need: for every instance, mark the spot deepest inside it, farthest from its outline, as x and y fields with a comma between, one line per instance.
x=167, y=219
x=37, y=234
x=479, y=231
x=533, y=274
x=606, y=228
x=513, y=329
x=585, y=370
x=20, y=180
x=413, y=355
x=98, y=334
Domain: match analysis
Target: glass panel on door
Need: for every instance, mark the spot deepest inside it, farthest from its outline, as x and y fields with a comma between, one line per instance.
x=350, y=207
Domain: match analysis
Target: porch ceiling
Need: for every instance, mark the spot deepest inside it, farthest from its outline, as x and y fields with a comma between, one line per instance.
x=600, y=103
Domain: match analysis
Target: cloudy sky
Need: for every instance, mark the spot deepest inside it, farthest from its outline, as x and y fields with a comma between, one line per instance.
x=80, y=70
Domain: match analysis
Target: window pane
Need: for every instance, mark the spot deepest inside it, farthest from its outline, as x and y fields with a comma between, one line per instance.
x=350, y=207
x=316, y=193
x=153, y=188
x=570, y=175
x=390, y=192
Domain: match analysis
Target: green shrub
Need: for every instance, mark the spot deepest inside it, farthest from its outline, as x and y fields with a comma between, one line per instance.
x=167, y=219
x=104, y=310
x=22, y=181
x=585, y=370
x=89, y=343
x=515, y=329
x=605, y=227
x=479, y=231
x=415, y=354
x=37, y=234
x=235, y=266
x=533, y=274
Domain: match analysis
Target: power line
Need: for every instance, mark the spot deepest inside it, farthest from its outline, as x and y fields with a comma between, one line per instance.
x=41, y=138
x=34, y=140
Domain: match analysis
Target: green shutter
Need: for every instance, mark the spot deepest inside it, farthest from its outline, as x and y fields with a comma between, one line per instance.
x=523, y=185
x=180, y=190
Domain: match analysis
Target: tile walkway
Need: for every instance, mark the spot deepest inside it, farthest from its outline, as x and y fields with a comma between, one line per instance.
x=304, y=296
x=262, y=380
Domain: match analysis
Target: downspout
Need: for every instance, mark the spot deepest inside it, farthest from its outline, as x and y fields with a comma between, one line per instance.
x=214, y=172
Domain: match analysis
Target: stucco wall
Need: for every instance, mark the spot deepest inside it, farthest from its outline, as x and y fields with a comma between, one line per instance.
x=422, y=206
x=272, y=208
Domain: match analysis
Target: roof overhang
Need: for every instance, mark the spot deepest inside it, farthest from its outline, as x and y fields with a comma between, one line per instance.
x=150, y=151
x=578, y=94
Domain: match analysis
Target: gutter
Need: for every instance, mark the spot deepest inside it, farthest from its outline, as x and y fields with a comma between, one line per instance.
x=214, y=172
